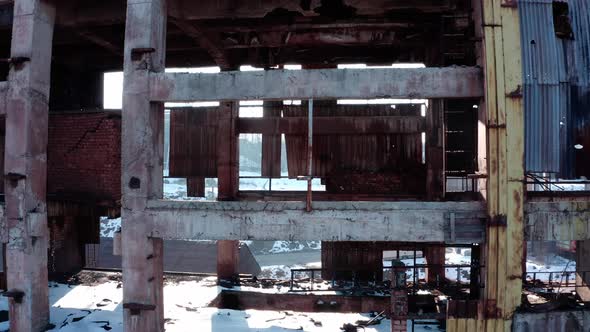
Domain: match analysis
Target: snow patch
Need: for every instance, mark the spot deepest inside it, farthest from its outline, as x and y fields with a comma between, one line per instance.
x=98, y=308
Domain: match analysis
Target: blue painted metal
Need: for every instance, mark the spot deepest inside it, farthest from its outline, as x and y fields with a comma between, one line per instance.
x=556, y=89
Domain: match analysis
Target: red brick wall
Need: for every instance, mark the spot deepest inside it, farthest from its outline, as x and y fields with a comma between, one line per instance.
x=84, y=155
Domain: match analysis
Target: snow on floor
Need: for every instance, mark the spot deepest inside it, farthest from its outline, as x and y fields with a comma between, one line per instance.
x=98, y=308
x=108, y=227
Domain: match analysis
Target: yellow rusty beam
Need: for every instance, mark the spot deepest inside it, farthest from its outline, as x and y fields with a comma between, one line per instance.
x=514, y=148
x=505, y=166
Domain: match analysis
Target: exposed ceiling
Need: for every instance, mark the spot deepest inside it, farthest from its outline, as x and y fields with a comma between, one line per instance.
x=89, y=34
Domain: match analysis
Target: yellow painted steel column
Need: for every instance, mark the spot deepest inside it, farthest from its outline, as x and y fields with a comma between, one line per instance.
x=503, y=249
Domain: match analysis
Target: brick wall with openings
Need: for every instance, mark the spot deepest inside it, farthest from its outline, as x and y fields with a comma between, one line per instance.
x=84, y=155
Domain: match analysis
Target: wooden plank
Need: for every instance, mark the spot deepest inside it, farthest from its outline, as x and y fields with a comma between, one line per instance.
x=446, y=82
x=329, y=221
x=3, y=91
x=336, y=125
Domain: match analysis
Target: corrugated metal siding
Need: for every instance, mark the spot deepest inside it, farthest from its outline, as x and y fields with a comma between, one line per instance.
x=556, y=89
x=579, y=11
x=337, y=153
x=193, y=142
x=348, y=260
x=544, y=69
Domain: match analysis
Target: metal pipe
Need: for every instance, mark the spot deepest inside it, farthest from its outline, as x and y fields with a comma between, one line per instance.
x=309, y=152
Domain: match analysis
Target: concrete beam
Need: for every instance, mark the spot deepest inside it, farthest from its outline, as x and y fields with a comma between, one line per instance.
x=447, y=82
x=3, y=91
x=557, y=221
x=329, y=221
x=333, y=125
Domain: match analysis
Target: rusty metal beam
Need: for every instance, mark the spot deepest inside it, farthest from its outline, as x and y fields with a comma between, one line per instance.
x=331, y=221
x=311, y=23
x=332, y=125
x=112, y=11
x=3, y=91
x=447, y=82
x=344, y=37
x=505, y=166
x=95, y=39
x=218, y=54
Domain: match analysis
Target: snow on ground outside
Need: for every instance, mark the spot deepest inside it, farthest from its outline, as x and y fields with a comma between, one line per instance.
x=291, y=246
x=565, y=267
x=283, y=272
x=98, y=308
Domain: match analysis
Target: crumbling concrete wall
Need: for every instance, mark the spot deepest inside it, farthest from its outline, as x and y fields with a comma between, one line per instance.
x=555, y=321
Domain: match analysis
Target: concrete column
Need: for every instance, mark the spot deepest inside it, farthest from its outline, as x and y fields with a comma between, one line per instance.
x=228, y=253
x=228, y=183
x=583, y=264
x=435, y=255
x=26, y=166
x=142, y=166
x=399, y=310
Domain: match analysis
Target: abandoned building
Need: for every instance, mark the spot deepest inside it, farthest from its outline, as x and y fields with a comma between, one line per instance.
x=383, y=127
